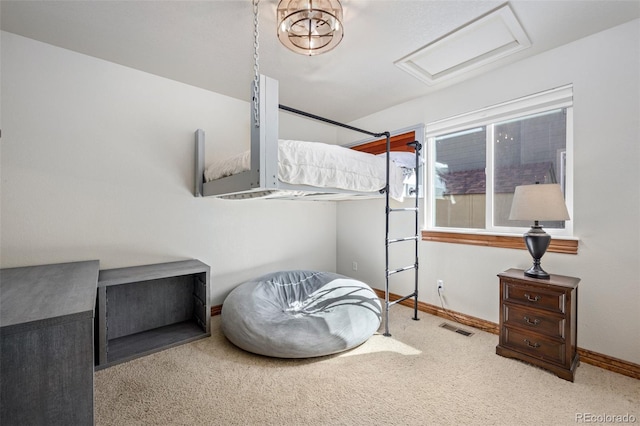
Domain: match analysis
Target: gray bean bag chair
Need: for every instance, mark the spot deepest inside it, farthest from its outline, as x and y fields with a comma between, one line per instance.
x=300, y=314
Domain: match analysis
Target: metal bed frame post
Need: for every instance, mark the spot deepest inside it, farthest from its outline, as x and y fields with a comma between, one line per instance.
x=416, y=192
x=387, y=212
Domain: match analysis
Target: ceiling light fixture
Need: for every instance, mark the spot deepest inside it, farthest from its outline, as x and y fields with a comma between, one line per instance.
x=310, y=27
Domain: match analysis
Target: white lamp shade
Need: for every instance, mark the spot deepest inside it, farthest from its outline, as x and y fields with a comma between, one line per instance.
x=538, y=202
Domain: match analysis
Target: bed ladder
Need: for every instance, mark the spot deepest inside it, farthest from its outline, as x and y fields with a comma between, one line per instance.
x=417, y=146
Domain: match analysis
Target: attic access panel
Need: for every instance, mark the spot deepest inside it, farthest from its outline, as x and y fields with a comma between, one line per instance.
x=484, y=40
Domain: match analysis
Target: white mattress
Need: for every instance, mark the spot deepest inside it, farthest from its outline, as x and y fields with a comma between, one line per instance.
x=320, y=165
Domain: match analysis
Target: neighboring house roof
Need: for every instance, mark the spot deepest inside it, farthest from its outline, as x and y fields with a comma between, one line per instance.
x=506, y=178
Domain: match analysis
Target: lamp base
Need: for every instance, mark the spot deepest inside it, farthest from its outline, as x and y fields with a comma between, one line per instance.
x=536, y=271
x=537, y=242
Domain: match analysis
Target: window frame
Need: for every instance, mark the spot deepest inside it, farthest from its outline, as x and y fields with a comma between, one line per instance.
x=542, y=102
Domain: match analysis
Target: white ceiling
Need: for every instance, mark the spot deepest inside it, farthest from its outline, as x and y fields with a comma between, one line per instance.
x=209, y=44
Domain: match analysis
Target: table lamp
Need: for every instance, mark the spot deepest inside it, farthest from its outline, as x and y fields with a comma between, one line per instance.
x=538, y=202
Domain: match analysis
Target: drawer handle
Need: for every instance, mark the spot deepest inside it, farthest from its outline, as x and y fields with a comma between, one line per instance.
x=532, y=345
x=531, y=299
x=534, y=322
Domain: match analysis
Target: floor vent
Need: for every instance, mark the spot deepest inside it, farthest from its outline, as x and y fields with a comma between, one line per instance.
x=456, y=329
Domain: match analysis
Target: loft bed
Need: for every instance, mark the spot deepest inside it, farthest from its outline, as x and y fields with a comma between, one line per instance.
x=285, y=169
x=258, y=175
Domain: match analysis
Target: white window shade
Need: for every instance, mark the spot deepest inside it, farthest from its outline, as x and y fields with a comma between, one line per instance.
x=560, y=97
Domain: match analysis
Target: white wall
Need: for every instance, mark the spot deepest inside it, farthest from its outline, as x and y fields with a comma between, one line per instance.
x=97, y=163
x=605, y=72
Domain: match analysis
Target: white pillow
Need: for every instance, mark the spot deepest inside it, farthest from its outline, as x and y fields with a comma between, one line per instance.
x=402, y=158
x=228, y=166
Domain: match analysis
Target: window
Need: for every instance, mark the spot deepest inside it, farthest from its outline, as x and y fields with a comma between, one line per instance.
x=476, y=160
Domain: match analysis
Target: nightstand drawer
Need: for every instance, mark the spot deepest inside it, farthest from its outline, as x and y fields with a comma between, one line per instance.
x=532, y=296
x=534, y=345
x=536, y=320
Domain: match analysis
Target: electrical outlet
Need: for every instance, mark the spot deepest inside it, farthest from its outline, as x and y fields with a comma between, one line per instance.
x=354, y=265
x=440, y=284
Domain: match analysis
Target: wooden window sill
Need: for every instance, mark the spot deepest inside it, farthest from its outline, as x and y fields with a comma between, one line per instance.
x=557, y=245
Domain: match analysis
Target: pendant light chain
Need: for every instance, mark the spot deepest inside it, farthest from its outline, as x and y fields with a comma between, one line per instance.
x=256, y=66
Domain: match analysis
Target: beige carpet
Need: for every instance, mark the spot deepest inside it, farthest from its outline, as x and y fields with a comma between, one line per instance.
x=422, y=375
